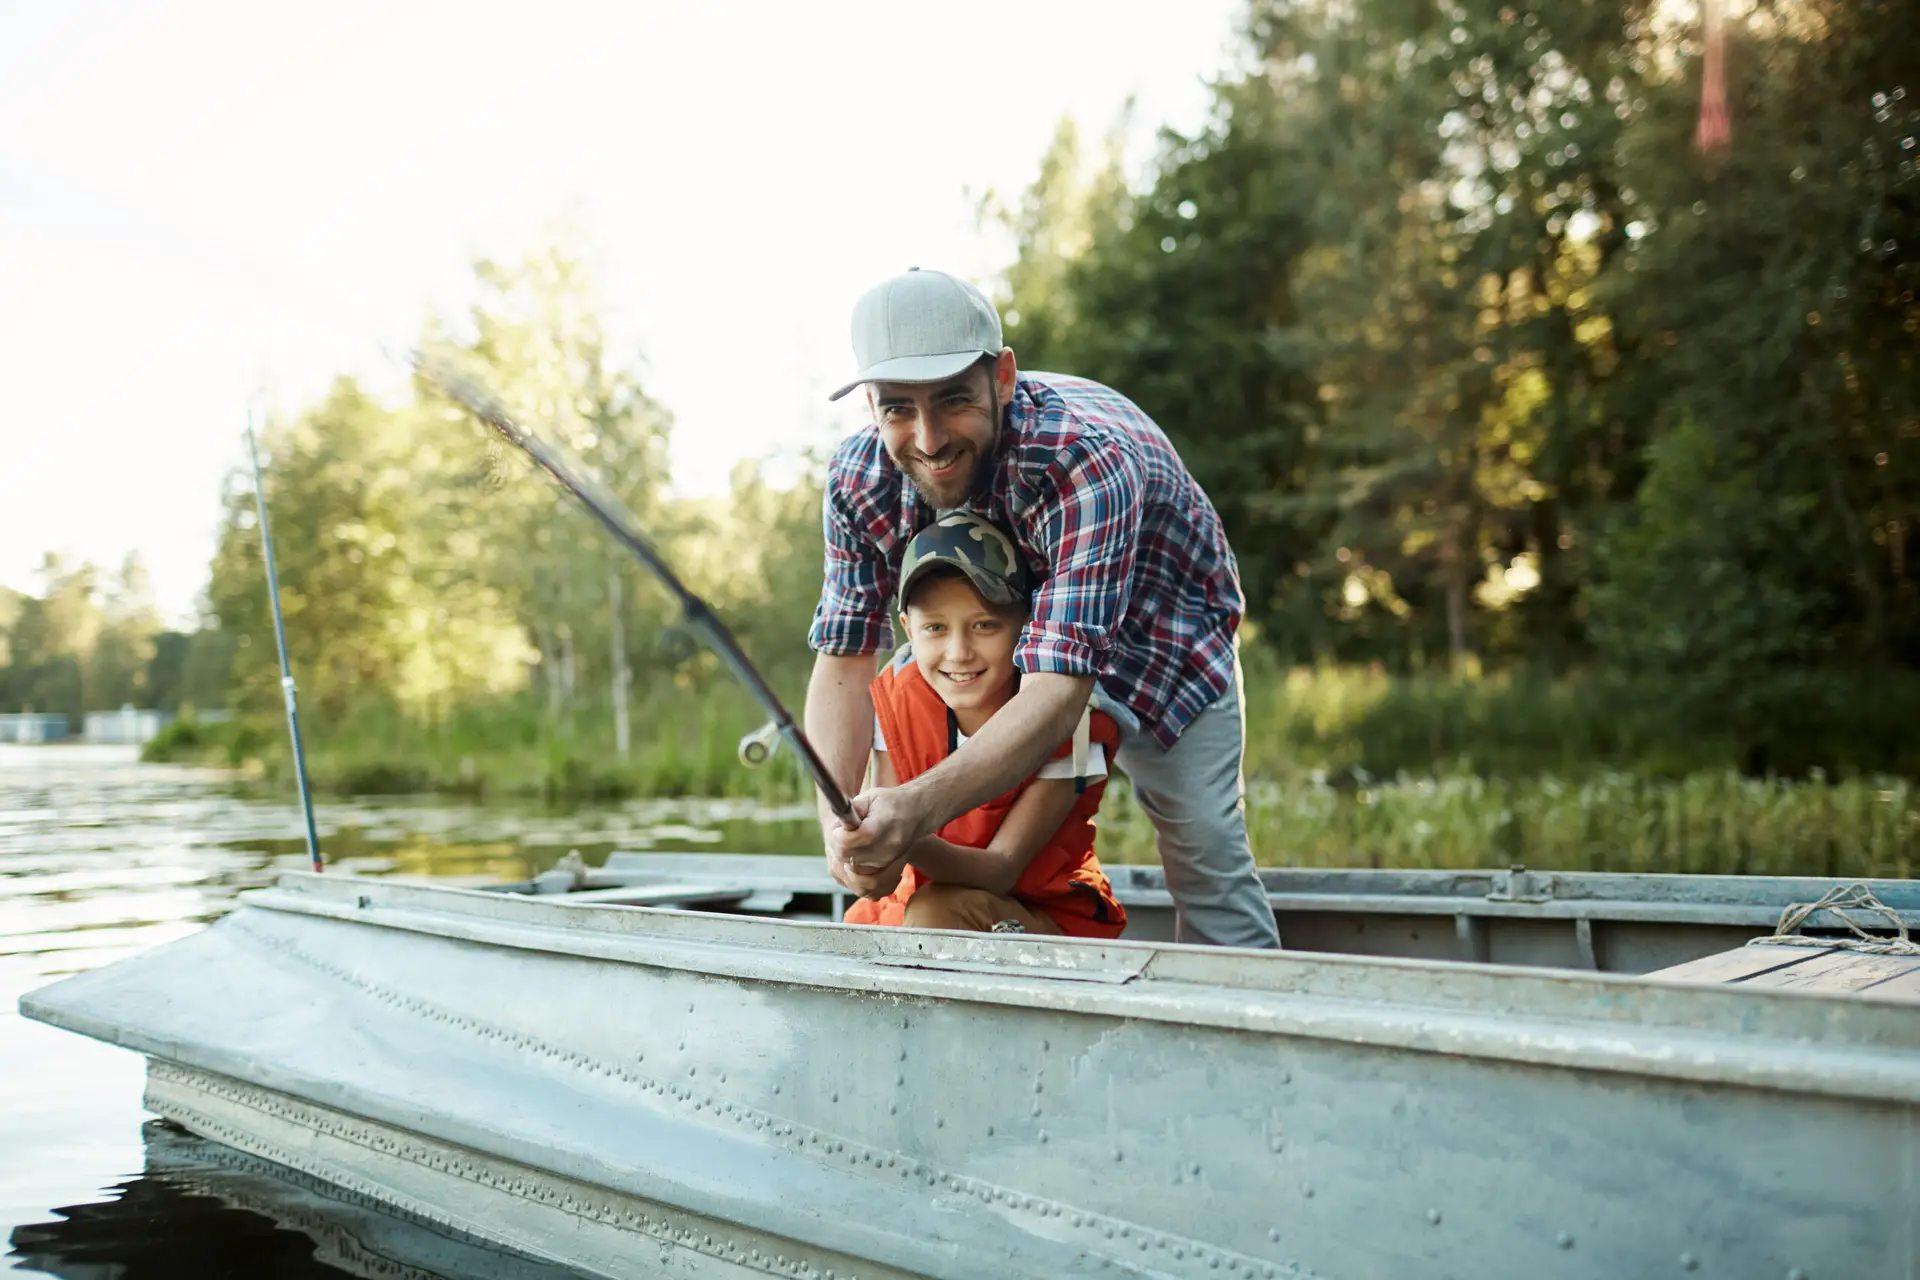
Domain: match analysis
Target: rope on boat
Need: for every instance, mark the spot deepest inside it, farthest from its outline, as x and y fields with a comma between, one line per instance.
x=1840, y=900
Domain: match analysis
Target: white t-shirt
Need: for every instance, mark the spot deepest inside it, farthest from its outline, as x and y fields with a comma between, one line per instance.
x=1061, y=768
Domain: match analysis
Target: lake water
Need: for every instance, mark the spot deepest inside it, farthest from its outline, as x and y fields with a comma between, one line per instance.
x=101, y=857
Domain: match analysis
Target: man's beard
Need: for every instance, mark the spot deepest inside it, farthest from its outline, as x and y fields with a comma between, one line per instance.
x=943, y=495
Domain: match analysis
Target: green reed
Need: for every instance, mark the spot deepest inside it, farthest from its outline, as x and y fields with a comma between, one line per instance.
x=1346, y=768
x=1705, y=823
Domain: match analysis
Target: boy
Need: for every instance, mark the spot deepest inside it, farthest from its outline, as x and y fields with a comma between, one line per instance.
x=1020, y=863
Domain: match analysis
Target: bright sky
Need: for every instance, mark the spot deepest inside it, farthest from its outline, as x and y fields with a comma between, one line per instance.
x=200, y=201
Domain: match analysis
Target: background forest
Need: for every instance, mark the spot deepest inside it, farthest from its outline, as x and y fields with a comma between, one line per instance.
x=1572, y=466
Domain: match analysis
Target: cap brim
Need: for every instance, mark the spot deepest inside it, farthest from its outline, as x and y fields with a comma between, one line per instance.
x=992, y=587
x=913, y=369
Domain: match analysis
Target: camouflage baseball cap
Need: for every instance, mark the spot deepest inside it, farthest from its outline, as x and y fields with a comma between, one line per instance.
x=972, y=544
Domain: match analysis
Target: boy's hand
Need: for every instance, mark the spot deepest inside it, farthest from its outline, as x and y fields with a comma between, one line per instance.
x=876, y=882
x=891, y=822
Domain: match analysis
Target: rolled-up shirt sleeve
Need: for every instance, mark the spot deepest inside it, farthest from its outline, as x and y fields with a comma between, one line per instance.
x=854, y=614
x=1089, y=529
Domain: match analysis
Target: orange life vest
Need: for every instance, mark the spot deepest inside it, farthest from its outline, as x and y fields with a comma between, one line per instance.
x=1063, y=879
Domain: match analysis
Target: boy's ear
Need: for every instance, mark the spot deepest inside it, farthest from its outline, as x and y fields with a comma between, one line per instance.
x=904, y=627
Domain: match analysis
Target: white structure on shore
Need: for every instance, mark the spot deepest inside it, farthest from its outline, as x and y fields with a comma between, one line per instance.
x=32, y=727
x=127, y=725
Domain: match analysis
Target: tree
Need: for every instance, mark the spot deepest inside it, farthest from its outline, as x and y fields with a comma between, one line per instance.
x=1771, y=302
x=380, y=604
x=534, y=336
x=84, y=644
x=1440, y=283
x=1182, y=299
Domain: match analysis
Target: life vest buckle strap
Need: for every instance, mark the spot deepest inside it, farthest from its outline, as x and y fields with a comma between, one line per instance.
x=1082, y=740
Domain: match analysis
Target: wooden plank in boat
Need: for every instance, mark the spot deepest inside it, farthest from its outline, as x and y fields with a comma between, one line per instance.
x=1901, y=986
x=1740, y=964
x=1835, y=971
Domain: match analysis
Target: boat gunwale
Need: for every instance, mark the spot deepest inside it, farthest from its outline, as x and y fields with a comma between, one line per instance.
x=1630, y=897
x=1849, y=1045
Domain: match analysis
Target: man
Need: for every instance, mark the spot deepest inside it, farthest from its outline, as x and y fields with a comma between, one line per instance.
x=1139, y=597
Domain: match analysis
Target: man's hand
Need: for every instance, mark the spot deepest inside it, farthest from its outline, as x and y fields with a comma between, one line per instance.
x=892, y=820
x=868, y=878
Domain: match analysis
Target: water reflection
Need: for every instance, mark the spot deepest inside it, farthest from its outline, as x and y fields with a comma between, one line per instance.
x=202, y=1210
x=100, y=857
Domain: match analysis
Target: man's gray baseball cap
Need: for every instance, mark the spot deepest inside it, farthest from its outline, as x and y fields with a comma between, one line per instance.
x=922, y=326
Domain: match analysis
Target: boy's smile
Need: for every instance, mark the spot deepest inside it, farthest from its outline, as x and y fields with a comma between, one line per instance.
x=963, y=647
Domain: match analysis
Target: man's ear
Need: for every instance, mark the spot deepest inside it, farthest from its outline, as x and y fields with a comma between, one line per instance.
x=1005, y=374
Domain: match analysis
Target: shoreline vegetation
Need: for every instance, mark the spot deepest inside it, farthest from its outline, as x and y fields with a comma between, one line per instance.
x=1345, y=767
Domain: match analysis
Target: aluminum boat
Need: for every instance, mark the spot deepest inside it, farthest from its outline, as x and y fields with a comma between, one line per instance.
x=661, y=1067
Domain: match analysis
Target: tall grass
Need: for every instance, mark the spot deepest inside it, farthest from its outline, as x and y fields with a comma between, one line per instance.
x=680, y=745
x=1706, y=823
x=1791, y=724
x=1345, y=768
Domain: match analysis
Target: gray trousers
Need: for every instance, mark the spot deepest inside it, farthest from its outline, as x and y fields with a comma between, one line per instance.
x=1195, y=792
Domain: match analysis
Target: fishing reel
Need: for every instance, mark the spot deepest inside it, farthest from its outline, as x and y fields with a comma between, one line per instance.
x=758, y=747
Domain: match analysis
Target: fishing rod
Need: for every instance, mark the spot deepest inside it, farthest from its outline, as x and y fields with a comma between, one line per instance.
x=617, y=520
x=280, y=642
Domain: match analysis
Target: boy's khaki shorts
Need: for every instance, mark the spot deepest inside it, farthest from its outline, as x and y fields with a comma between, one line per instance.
x=949, y=906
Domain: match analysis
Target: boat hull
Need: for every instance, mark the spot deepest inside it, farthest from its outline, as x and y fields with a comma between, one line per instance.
x=617, y=1088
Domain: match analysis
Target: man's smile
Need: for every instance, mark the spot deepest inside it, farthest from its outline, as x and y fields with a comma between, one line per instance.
x=943, y=465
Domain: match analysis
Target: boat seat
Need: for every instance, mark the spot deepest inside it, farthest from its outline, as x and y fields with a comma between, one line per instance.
x=1828, y=970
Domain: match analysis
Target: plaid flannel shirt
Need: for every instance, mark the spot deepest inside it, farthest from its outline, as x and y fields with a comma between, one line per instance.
x=1137, y=584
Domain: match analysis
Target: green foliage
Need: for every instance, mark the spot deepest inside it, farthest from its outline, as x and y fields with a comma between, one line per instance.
x=1182, y=299
x=1706, y=577
x=1439, y=286
x=1350, y=724
x=181, y=739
